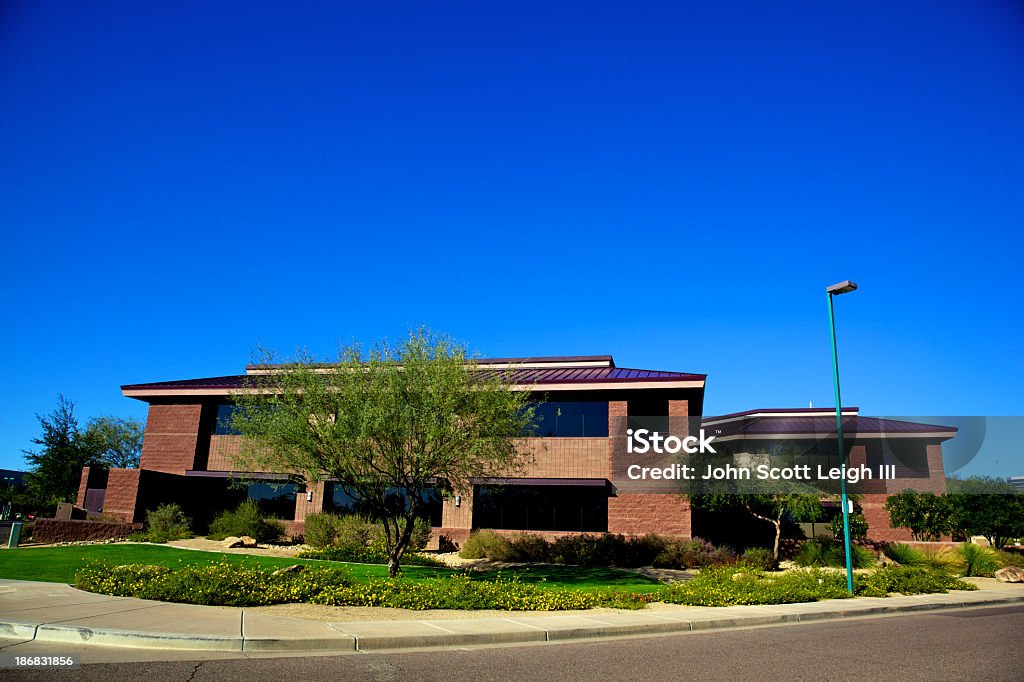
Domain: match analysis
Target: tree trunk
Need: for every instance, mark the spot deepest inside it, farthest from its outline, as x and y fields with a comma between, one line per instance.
x=778, y=536
x=401, y=544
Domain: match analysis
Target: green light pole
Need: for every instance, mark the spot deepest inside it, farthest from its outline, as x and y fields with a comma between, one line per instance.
x=836, y=290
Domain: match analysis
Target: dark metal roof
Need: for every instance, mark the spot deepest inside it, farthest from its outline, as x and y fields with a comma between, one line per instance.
x=822, y=425
x=524, y=375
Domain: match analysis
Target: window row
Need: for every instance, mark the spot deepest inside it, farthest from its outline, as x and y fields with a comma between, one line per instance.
x=558, y=419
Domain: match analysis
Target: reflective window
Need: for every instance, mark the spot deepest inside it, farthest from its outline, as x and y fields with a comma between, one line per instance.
x=225, y=413
x=571, y=419
x=338, y=501
x=549, y=507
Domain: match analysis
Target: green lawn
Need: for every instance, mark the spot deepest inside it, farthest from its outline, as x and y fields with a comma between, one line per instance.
x=59, y=565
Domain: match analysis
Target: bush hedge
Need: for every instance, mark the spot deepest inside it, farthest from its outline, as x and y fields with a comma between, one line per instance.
x=734, y=586
x=227, y=584
x=373, y=554
x=598, y=550
x=246, y=519
x=351, y=530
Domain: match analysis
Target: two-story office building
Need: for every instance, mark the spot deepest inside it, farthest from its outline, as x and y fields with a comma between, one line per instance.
x=189, y=451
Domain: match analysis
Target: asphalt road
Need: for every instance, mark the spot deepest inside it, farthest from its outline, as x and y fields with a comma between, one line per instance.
x=981, y=644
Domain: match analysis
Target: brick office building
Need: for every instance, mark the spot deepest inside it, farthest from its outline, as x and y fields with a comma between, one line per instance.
x=188, y=455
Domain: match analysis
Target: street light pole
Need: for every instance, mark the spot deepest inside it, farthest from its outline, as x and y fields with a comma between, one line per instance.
x=835, y=290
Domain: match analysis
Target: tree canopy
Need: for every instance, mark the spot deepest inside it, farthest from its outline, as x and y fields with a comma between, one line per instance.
x=56, y=466
x=388, y=424
x=117, y=440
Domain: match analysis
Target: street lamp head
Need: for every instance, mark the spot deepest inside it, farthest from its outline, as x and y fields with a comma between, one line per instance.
x=842, y=288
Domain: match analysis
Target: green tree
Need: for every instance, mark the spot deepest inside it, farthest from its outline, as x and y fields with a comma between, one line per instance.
x=57, y=464
x=986, y=506
x=389, y=424
x=926, y=515
x=118, y=440
x=770, y=501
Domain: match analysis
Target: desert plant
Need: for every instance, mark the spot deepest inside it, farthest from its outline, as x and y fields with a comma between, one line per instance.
x=903, y=554
x=246, y=519
x=759, y=558
x=485, y=544
x=695, y=553
x=825, y=552
x=977, y=561
x=167, y=522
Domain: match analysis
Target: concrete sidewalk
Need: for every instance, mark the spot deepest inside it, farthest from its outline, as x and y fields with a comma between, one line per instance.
x=59, y=614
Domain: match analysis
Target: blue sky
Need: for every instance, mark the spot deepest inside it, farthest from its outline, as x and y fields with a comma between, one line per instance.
x=671, y=183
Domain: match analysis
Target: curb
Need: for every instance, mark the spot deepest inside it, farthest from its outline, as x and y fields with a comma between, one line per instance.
x=518, y=631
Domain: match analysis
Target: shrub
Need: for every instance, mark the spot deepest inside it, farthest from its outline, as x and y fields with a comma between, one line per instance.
x=904, y=554
x=858, y=526
x=229, y=584
x=908, y=580
x=342, y=530
x=695, y=553
x=167, y=522
x=321, y=529
x=732, y=586
x=421, y=534
x=583, y=550
x=758, y=558
x=976, y=560
x=826, y=552
x=246, y=519
x=485, y=544
x=366, y=555
x=1009, y=558
x=530, y=548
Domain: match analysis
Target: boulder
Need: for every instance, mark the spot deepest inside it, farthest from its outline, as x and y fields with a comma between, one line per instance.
x=248, y=541
x=294, y=568
x=231, y=541
x=1010, y=574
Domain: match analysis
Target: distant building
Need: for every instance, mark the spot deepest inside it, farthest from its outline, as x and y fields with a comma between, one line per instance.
x=1018, y=483
x=11, y=477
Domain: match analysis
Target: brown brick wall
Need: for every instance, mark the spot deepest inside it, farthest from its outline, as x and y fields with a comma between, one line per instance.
x=171, y=439
x=638, y=514
x=873, y=506
x=122, y=494
x=83, y=484
x=565, y=458
x=52, y=530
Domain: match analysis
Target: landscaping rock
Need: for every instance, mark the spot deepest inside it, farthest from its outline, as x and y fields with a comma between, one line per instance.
x=232, y=541
x=294, y=568
x=247, y=541
x=1010, y=574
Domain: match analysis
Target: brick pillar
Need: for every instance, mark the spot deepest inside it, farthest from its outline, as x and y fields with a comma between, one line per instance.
x=305, y=506
x=456, y=521
x=83, y=484
x=666, y=514
x=678, y=417
x=122, y=494
x=936, y=473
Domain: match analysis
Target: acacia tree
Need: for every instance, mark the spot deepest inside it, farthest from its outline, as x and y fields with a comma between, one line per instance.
x=770, y=501
x=389, y=425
